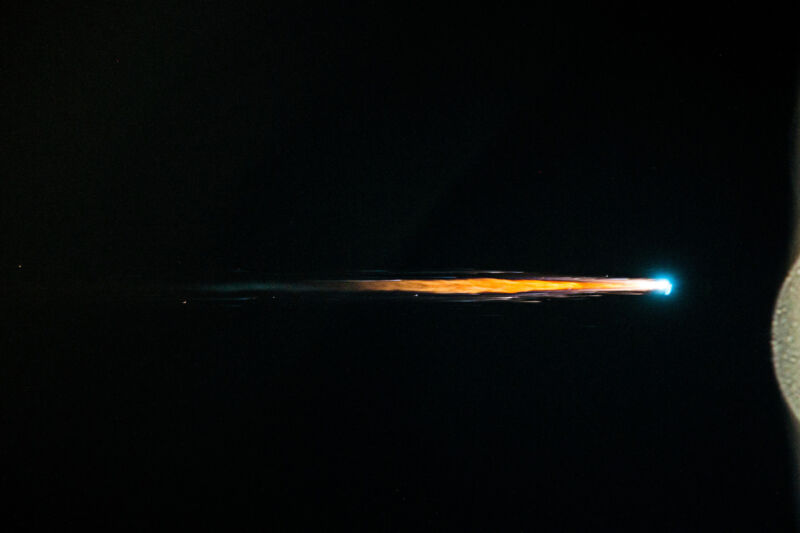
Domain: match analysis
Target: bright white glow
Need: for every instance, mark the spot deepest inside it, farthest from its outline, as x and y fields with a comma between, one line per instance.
x=665, y=285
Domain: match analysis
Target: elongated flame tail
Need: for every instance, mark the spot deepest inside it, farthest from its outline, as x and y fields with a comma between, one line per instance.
x=504, y=286
x=471, y=286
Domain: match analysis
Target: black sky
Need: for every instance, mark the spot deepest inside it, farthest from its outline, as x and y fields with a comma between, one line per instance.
x=167, y=140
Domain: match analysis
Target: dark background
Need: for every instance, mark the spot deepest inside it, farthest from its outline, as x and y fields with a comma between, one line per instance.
x=199, y=141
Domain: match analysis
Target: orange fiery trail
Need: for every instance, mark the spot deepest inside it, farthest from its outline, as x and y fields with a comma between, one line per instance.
x=509, y=286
